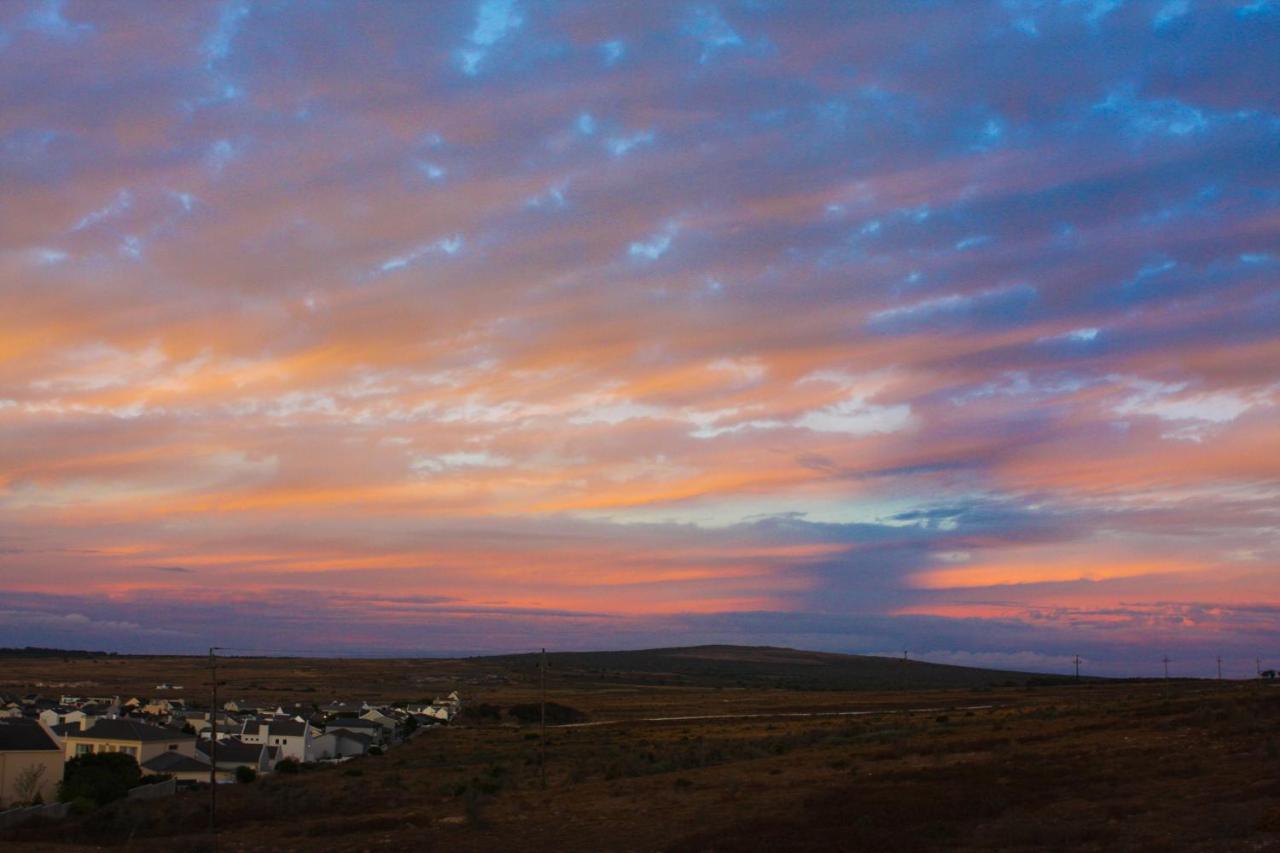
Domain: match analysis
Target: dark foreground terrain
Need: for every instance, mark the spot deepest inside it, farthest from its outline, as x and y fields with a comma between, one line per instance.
x=1089, y=766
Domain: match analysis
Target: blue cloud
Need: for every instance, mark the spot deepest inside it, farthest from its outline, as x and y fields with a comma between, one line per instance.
x=47, y=19
x=217, y=45
x=123, y=201
x=620, y=146
x=706, y=26
x=653, y=247
x=495, y=20
x=1153, y=117
x=612, y=51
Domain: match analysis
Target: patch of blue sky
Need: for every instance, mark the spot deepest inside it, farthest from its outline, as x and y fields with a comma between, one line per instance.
x=217, y=45
x=495, y=21
x=131, y=247
x=47, y=19
x=1254, y=7
x=654, y=246
x=449, y=246
x=1203, y=198
x=1084, y=335
x=431, y=171
x=831, y=115
x=1150, y=271
x=585, y=124
x=1095, y=11
x=186, y=200
x=993, y=307
x=1170, y=13
x=122, y=202
x=972, y=242
x=1255, y=258
x=612, y=51
x=620, y=146
x=1152, y=117
x=552, y=199
x=706, y=26
x=47, y=257
x=220, y=155
x=990, y=135
x=27, y=143
x=1022, y=16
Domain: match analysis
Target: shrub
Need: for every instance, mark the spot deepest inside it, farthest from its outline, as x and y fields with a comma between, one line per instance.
x=102, y=777
x=245, y=774
x=557, y=714
x=287, y=765
x=82, y=806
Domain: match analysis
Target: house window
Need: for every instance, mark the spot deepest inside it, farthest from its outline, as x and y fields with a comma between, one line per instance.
x=84, y=749
x=173, y=746
x=130, y=750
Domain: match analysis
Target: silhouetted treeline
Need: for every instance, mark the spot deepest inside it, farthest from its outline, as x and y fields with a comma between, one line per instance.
x=39, y=652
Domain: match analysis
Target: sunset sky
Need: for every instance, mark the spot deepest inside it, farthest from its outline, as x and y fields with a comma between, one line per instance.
x=442, y=328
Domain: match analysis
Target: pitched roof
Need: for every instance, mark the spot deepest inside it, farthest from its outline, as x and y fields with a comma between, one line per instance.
x=232, y=751
x=174, y=762
x=358, y=737
x=287, y=728
x=23, y=735
x=347, y=723
x=129, y=730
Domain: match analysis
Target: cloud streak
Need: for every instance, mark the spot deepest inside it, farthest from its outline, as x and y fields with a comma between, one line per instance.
x=644, y=327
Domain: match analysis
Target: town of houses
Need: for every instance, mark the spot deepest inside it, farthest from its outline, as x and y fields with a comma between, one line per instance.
x=39, y=734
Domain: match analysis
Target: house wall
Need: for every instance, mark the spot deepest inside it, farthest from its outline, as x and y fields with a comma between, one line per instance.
x=14, y=763
x=141, y=751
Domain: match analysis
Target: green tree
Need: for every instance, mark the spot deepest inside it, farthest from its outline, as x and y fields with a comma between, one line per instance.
x=101, y=777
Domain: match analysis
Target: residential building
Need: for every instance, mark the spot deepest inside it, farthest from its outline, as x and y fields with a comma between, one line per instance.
x=294, y=738
x=184, y=768
x=30, y=762
x=132, y=737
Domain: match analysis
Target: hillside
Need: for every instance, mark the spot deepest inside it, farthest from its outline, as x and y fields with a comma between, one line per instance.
x=760, y=666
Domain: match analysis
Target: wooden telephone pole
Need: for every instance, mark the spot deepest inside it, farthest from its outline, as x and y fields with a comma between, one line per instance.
x=1077, y=663
x=213, y=745
x=1219, y=667
x=542, y=736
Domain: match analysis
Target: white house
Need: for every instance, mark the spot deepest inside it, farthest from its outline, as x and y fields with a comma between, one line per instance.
x=293, y=738
x=389, y=724
x=342, y=743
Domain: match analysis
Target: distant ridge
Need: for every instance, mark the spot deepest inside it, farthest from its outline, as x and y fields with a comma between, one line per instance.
x=38, y=652
x=765, y=666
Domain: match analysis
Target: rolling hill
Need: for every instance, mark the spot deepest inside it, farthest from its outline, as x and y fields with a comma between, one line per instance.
x=761, y=666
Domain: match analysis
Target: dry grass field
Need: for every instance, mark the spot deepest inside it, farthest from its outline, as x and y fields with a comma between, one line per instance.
x=1090, y=766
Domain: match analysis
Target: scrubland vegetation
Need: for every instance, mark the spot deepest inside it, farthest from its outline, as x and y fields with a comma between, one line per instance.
x=1093, y=766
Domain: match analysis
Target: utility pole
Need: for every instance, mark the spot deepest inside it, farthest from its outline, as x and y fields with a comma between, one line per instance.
x=1166, y=666
x=1219, y=667
x=542, y=737
x=1077, y=663
x=1257, y=664
x=213, y=745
